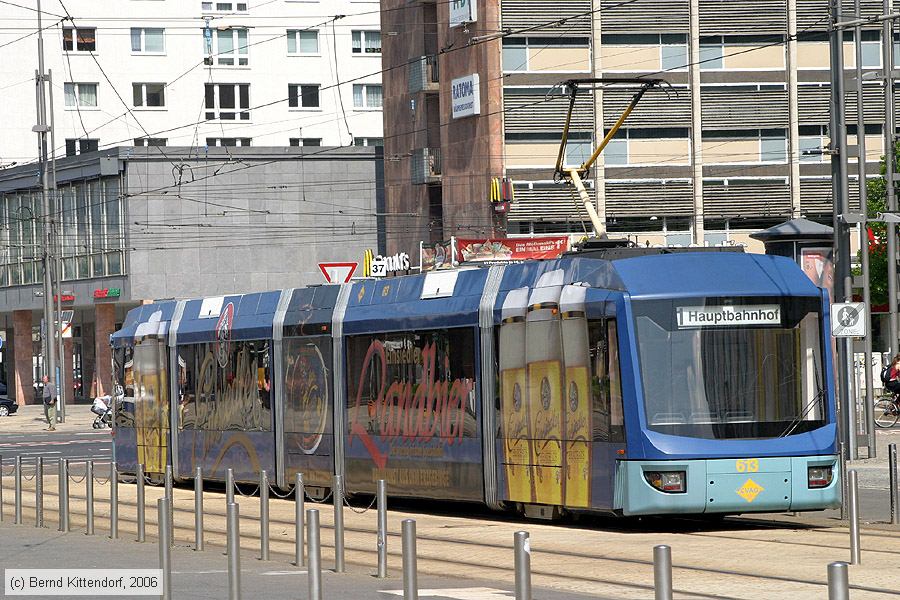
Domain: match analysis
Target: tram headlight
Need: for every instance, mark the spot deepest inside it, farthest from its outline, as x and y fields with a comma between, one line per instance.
x=670, y=482
x=819, y=477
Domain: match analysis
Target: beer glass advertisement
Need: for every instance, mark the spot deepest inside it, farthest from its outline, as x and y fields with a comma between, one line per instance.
x=818, y=264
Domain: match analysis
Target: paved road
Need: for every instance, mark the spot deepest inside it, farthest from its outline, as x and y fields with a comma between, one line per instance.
x=79, y=446
x=203, y=575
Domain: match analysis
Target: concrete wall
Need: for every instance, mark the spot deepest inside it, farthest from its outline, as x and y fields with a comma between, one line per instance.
x=254, y=220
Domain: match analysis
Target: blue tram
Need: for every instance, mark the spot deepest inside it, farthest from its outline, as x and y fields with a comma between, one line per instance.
x=670, y=383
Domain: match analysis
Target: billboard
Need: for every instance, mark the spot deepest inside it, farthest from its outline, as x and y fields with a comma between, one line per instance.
x=510, y=249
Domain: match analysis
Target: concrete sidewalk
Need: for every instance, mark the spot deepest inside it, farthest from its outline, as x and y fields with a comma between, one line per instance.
x=735, y=558
x=30, y=419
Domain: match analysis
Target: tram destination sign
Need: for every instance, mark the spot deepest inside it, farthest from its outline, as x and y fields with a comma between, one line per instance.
x=691, y=317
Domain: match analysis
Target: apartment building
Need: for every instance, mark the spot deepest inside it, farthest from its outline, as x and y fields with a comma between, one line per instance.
x=729, y=146
x=193, y=73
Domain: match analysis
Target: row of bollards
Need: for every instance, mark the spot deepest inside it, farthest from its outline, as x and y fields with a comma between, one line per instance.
x=838, y=580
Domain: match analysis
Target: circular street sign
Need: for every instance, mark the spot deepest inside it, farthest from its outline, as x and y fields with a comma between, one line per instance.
x=848, y=316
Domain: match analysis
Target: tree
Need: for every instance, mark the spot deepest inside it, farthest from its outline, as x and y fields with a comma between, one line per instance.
x=877, y=233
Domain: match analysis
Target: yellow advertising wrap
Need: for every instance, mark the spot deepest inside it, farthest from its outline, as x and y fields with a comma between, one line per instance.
x=578, y=434
x=546, y=416
x=516, y=438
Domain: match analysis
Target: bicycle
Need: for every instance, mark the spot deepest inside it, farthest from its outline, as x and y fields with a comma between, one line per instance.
x=887, y=411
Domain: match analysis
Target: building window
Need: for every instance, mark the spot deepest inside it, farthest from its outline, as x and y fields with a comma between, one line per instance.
x=542, y=54
x=227, y=47
x=731, y=146
x=74, y=147
x=871, y=49
x=303, y=95
x=367, y=95
x=712, y=53
x=773, y=146
x=673, y=52
x=81, y=39
x=366, y=42
x=813, y=140
x=368, y=141
x=148, y=40
x=80, y=95
x=302, y=41
x=151, y=95
x=225, y=101
x=306, y=141
x=150, y=141
x=223, y=7
x=228, y=142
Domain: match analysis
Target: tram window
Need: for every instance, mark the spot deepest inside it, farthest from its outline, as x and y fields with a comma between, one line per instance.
x=231, y=386
x=307, y=393
x=442, y=361
x=124, y=399
x=606, y=383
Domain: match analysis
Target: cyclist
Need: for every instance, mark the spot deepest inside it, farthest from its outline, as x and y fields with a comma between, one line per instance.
x=890, y=376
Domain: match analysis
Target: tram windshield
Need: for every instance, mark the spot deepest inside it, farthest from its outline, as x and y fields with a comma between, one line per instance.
x=727, y=368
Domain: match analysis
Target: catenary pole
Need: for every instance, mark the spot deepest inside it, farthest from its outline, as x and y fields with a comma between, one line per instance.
x=46, y=233
x=889, y=175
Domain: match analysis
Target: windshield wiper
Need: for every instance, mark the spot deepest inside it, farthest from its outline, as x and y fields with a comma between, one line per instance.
x=813, y=402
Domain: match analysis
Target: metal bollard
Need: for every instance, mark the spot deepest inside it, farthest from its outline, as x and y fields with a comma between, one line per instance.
x=853, y=492
x=171, y=504
x=381, y=541
x=314, y=576
x=522, y=545
x=892, y=478
x=229, y=486
x=299, y=502
x=89, y=497
x=662, y=572
x=63, y=495
x=263, y=515
x=18, y=484
x=141, y=505
x=165, y=550
x=838, y=581
x=198, y=510
x=113, y=501
x=338, y=491
x=410, y=576
x=39, y=491
x=234, y=551
x=1, y=488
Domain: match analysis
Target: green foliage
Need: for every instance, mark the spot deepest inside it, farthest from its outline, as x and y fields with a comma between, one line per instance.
x=877, y=203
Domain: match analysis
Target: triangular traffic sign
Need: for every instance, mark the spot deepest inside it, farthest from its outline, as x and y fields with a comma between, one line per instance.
x=338, y=272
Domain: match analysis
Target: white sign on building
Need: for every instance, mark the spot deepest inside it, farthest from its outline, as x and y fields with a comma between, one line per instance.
x=463, y=11
x=466, y=96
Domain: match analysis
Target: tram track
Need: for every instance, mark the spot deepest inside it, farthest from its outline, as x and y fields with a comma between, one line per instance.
x=439, y=554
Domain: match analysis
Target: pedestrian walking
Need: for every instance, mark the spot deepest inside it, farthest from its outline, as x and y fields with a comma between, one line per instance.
x=50, y=397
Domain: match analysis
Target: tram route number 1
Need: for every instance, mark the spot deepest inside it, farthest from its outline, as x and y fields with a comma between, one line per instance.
x=747, y=465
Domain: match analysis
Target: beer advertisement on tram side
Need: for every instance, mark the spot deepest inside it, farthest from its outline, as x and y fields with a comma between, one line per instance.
x=411, y=413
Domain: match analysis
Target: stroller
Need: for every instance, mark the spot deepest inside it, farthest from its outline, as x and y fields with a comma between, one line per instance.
x=102, y=407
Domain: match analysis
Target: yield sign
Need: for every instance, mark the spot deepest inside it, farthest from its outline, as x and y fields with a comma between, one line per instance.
x=338, y=272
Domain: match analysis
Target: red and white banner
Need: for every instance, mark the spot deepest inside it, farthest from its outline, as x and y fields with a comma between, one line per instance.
x=509, y=249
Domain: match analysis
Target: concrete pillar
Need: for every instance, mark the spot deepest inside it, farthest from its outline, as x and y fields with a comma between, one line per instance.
x=23, y=384
x=68, y=373
x=104, y=326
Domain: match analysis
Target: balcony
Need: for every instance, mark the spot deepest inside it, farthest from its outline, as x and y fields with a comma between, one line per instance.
x=424, y=75
x=426, y=165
